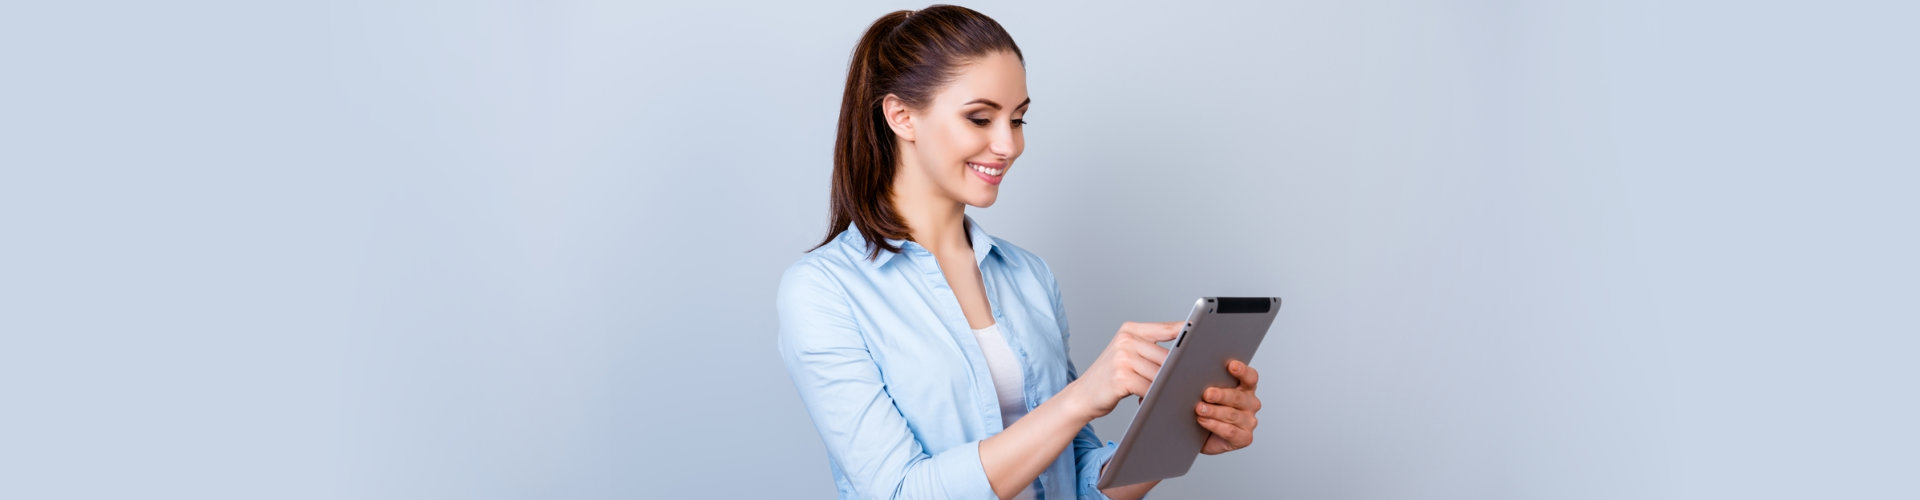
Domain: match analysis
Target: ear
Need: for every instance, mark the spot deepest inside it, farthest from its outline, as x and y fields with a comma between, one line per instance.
x=898, y=116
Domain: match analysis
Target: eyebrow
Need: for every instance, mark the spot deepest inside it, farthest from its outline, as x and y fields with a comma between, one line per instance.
x=995, y=105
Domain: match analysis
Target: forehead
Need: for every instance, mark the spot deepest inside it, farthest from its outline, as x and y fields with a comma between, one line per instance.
x=997, y=76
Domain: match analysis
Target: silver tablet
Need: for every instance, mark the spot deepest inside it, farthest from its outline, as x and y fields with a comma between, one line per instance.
x=1165, y=435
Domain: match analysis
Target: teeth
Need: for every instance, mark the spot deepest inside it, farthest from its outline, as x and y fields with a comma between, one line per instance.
x=989, y=171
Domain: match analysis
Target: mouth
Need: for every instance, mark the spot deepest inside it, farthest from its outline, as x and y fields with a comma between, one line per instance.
x=989, y=172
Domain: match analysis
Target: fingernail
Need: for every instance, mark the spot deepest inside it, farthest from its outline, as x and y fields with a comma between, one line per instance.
x=1203, y=409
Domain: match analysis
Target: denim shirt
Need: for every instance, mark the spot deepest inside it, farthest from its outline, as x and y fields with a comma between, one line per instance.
x=891, y=374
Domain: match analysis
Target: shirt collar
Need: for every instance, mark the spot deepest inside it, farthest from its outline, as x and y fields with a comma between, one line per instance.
x=983, y=244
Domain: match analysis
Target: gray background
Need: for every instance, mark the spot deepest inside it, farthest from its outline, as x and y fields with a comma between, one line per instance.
x=528, y=250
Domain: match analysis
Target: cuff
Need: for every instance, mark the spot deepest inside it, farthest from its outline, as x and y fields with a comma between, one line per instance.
x=1090, y=471
x=961, y=473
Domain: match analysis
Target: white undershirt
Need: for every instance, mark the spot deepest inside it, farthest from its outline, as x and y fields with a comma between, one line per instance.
x=1009, y=382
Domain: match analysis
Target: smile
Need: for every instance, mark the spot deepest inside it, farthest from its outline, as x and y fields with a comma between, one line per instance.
x=992, y=172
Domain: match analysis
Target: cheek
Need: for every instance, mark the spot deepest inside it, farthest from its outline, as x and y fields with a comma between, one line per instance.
x=939, y=146
x=966, y=142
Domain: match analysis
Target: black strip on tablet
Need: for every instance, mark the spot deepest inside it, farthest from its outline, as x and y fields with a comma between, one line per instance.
x=1237, y=305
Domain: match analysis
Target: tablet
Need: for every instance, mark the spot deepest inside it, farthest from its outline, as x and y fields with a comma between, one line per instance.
x=1165, y=435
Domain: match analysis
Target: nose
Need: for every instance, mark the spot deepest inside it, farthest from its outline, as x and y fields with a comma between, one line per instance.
x=1002, y=143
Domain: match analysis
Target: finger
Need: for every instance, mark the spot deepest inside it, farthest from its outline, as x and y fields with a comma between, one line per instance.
x=1215, y=446
x=1147, y=369
x=1127, y=382
x=1156, y=332
x=1235, y=436
x=1237, y=398
x=1226, y=414
x=1151, y=351
x=1249, y=377
x=1239, y=438
x=1137, y=387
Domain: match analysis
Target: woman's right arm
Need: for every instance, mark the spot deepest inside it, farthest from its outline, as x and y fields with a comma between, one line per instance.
x=1126, y=367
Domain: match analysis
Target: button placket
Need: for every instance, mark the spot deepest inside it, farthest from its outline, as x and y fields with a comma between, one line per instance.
x=957, y=318
x=1026, y=375
x=955, y=321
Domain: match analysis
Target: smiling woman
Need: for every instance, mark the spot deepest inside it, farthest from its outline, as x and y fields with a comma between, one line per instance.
x=932, y=356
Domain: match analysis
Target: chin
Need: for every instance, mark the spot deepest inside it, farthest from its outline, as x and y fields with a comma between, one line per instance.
x=983, y=200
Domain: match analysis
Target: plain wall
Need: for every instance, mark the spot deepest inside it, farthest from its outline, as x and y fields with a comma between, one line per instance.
x=1529, y=250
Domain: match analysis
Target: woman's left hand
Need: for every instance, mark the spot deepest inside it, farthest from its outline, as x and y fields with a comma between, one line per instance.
x=1228, y=412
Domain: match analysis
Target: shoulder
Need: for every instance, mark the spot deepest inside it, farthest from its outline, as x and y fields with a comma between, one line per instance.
x=822, y=271
x=1020, y=259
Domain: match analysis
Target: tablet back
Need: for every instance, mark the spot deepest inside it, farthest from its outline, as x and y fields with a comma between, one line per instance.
x=1165, y=437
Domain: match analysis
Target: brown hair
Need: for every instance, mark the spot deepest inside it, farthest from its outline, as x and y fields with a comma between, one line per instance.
x=909, y=54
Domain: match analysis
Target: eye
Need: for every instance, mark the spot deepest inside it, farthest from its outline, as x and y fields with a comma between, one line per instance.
x=1019, y=122
x=982, y=122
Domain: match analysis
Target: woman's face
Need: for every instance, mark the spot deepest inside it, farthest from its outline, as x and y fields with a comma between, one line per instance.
x=964, y=142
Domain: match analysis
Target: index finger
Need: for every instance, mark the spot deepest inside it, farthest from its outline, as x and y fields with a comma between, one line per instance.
x=1249, y=377
x=1155, y=332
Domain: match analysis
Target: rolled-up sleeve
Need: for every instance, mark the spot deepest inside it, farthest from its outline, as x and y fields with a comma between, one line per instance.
x=1088, y=453
x=1091, y=455
x=840, y=384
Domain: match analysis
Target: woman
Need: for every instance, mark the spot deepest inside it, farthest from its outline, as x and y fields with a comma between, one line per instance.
x=932, y=356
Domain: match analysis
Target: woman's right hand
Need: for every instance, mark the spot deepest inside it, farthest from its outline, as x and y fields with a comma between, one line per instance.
x=1125, y=368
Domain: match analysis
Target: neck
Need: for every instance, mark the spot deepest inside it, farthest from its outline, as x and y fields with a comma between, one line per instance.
x=933, y=220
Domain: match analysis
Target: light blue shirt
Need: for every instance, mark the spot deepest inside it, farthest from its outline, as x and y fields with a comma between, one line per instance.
x=890, y=372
